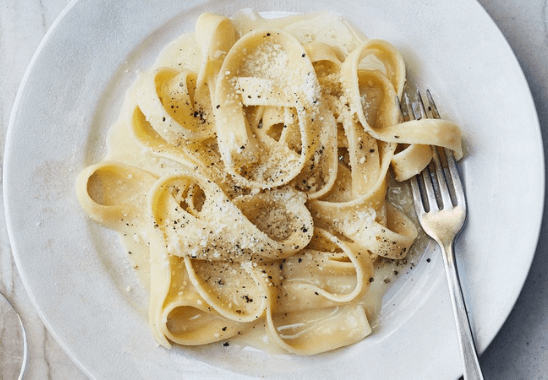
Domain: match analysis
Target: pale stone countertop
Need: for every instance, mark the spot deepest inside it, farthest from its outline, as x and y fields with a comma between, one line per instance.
x=519, y=351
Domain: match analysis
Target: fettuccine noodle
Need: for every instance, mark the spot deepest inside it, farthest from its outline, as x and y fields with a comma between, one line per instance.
x=251, y=163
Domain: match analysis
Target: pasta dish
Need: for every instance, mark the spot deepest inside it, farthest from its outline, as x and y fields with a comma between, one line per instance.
x=248, y=176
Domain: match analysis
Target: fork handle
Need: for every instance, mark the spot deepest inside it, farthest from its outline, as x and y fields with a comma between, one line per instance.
x=472, y=369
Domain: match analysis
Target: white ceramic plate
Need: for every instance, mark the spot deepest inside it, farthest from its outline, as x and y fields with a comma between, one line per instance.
x=76, y=274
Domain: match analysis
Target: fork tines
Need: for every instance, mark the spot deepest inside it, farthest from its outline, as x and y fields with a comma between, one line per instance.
x=439, y=183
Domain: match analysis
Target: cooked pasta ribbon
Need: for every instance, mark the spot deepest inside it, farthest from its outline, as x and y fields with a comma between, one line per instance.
x=254, y=74
x=198, y=220
x=115, y=194
x=250, y=165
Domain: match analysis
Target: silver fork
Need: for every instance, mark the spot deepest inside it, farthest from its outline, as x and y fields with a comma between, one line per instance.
x=441, y=208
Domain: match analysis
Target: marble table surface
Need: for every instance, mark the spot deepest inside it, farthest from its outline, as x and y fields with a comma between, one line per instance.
x=519, y=351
